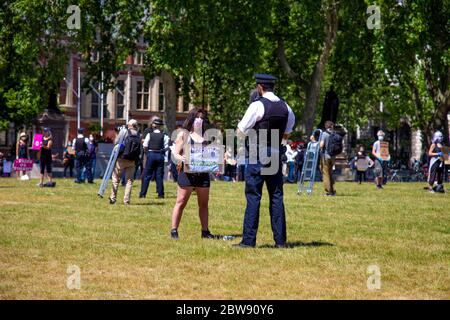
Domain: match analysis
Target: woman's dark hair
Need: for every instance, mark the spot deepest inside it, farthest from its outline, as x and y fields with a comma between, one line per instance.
x=189, y=122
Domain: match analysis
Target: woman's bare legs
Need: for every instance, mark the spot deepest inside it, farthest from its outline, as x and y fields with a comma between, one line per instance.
x=203, y=199
x=183, y=195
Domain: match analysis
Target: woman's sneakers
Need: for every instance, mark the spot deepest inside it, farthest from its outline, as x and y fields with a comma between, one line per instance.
x=207, y=235
x=174, y=234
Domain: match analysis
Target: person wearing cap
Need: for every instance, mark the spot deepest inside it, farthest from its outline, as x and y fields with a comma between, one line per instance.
x=156, y=144
x=80, y=146
x=271, y=113
x=22, y=150
x=125, y=164
x=46, y=159
x=381, y=165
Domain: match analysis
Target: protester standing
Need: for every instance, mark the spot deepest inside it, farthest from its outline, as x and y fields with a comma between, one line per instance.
x=68, y=159
x=290, y=159
x=437, y=165
x=330, y=146
x=194, y=127
x=92, y=155
x=381, y=165
x=46, y=159
x=362, y=163
x=126, y=162
x=22, y=150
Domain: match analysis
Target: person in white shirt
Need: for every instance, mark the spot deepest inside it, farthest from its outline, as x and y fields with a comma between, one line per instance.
x=271, y=113
x=290, y=155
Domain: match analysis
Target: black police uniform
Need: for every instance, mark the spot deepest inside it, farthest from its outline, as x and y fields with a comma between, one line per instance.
x=154, y=164
x=275, y=117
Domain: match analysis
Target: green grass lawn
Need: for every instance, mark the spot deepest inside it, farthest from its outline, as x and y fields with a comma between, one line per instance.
x=124, y=252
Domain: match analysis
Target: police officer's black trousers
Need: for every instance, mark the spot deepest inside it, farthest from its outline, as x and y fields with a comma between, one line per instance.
x=254, y=182
x=154, y=165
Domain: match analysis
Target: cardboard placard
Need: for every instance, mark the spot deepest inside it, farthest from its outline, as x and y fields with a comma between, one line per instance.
x=200, y=158
x=362, y=164
x=446, y=151
x=23, y=165
x=7, y=167
x=384, y=150
x=37, y=141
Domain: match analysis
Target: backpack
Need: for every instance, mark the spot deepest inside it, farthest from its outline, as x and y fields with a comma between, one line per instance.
x=132, y=147
x=335, y=144
x=300, y=157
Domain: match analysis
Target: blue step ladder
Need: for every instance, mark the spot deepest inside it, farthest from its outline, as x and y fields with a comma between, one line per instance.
x=309, y=167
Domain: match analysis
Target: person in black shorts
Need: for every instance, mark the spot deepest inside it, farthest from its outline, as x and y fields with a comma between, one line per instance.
x=46, y=158
x=187, y=182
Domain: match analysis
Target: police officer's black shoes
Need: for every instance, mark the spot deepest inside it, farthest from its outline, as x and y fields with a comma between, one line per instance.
x=112, y=201
x=174, y=234
x=281, y=246
x=241, y=245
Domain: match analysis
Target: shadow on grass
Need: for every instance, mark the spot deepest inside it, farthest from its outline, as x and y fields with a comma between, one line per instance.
x=148, y=204
x=291, y=245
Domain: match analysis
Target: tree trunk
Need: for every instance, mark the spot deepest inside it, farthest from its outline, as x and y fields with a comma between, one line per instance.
x=441, y=99
x=170, y=95
x=312, y=87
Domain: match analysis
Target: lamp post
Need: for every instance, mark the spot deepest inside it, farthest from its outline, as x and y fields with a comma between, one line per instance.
x=77, y=94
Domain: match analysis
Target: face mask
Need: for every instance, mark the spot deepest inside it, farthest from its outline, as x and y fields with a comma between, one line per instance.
x=198, y=123
x=91, y=139
x=380, y=138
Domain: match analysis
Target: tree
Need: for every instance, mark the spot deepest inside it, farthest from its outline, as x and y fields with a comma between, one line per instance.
x=210, y=47
x=304, y=34
x=32, y=58
x=413, y=47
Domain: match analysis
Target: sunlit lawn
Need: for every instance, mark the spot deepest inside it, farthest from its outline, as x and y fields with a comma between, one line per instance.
x=124, y=252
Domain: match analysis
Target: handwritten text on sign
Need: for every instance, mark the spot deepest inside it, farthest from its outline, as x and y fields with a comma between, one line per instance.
x=23, y=165
x=204, y=158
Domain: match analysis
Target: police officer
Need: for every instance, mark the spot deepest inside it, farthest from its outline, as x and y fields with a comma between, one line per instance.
x=80, y=146
x=156, y=144
x=271, y=113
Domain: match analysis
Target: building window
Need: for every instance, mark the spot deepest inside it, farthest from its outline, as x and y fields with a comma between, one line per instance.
x=142, y=95
x=162, y=99
x=139, y=58
x=3, y=141
x=95, y=104
x=120, y=99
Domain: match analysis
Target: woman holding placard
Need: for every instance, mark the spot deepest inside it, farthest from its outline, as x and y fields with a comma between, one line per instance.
x=194, y=127
x=22, y=151
x=380, y=151
x=437, y=166
x=46, y=158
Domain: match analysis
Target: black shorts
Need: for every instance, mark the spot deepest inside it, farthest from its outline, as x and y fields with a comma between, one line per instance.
x=46, y=164
x=195, y=180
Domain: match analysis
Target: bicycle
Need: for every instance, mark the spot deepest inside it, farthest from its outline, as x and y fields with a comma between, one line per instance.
x=394, y=177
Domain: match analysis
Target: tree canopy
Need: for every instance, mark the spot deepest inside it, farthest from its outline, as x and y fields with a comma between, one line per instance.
x=212, y=49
